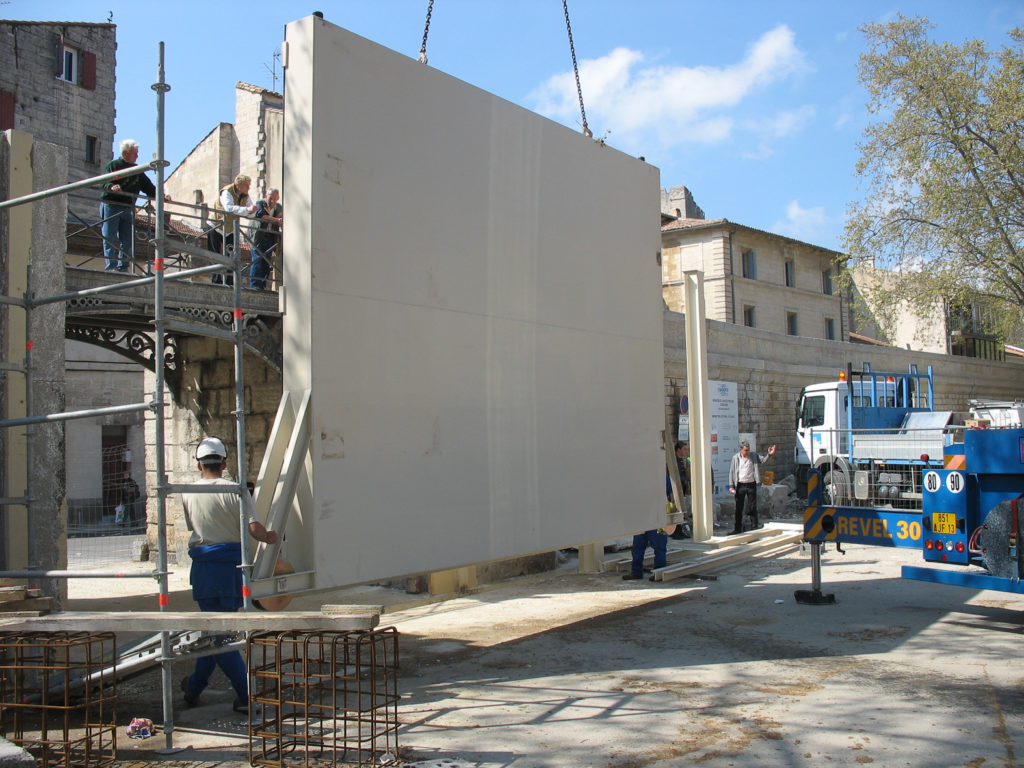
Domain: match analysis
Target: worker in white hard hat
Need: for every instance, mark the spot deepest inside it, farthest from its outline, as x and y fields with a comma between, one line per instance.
x=213, y=519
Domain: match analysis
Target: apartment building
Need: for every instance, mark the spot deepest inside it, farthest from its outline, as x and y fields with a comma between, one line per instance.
x=751, y=277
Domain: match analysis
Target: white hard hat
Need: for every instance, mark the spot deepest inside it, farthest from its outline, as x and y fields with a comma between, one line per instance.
x=211, y=446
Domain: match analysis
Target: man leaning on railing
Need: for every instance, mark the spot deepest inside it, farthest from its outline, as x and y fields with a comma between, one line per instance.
x=117, y=207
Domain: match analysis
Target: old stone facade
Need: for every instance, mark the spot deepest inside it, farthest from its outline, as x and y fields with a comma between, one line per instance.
x=752, y=278
x=57, y=83
x=252, y=145
x=202, y=405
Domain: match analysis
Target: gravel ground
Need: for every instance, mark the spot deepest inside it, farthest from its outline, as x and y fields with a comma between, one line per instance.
x=586, y=670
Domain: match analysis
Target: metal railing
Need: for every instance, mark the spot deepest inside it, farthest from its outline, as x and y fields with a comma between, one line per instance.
x=879, y=468
x=187, y=234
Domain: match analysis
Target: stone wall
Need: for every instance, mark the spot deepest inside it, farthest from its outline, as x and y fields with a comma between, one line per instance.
x=258, y=115
x=33, y=235
x=770, y=369
x=198, y=178
x=57, y=111
x=204, y=405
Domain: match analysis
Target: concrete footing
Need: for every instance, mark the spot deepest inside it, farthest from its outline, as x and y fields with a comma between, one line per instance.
x=12, y=756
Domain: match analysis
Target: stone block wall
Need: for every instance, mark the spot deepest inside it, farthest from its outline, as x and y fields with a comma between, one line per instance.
x=33, y=235
x=208, y=168
x=54, y=110
x=258, y=114
x=203, y=406
x=770, y=369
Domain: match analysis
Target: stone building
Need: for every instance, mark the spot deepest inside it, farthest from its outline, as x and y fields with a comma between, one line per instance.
x=57, y=83
x=253, y=145
x=751, y=277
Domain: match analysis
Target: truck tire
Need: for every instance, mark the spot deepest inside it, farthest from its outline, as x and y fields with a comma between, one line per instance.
x=835, y=488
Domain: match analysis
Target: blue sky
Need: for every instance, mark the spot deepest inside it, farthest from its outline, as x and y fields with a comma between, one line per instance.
x=752, y=104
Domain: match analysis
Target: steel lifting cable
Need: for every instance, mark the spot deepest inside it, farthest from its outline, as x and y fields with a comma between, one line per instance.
x=575, y=68
x=426, y=31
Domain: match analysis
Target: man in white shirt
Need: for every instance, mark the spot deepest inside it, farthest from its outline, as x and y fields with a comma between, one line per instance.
x=744, y=477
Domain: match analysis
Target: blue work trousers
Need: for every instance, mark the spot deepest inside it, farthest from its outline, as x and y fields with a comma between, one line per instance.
x=231, y=662
x=655, y=540
x=117, y=229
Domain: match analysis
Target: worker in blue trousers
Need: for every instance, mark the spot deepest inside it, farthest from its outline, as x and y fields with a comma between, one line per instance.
x=213, y=519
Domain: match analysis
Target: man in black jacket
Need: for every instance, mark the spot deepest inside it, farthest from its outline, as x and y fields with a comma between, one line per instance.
x=117, y=207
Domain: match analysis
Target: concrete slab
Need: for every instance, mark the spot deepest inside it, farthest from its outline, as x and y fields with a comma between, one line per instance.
x=474, y=299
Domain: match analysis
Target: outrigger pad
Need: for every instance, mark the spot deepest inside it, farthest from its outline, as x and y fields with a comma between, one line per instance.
x=813, y=597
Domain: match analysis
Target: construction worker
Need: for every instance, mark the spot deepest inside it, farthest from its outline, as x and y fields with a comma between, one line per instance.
x=213, y=519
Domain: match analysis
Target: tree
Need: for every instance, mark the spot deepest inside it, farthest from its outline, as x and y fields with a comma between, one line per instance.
x=944, y=167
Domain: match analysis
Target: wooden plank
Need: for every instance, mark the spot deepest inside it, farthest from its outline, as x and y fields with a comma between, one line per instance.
x=28, y=604
x=175, y=621
x=11, y=594
x=781, y=540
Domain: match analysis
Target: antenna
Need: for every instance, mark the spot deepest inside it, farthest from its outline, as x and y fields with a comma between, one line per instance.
x=272, y=69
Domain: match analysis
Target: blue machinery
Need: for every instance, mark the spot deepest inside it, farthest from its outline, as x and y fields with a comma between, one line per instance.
x=969, y=517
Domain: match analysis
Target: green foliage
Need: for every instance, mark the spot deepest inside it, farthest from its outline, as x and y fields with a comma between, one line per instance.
x=943, y=171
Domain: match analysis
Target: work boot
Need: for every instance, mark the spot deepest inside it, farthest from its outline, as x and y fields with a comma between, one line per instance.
x=242, y=706
x=631, y=577
x=191, y=700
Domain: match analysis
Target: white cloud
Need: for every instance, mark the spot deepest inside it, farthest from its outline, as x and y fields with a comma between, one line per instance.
x=808, y=224
x=782, y=125
x=672, y=105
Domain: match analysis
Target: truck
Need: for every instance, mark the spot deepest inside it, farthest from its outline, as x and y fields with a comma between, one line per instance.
x=968, y=527
x=871, y=435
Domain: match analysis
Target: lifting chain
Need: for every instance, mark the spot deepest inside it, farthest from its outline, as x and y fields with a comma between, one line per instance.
x=575, y=68
x=426, y=31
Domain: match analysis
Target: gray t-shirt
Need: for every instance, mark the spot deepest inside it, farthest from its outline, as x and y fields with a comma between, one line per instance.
x=212, y=517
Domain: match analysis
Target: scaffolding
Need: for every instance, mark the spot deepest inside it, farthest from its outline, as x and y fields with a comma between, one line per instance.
x=215, y=263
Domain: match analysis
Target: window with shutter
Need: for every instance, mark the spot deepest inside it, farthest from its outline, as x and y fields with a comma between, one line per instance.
x=58, y=56
x=89, y=71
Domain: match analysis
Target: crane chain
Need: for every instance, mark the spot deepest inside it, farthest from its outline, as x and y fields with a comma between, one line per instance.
x=426, y=31
x=576, y=70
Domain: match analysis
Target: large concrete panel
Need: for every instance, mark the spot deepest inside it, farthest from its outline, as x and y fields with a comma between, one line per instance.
x=474, y=298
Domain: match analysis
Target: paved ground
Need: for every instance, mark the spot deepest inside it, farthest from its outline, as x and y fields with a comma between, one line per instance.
x=568, y=670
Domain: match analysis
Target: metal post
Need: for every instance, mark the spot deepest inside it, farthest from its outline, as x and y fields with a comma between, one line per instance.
x=244, y=498
x=814, y=595
x=29, y=533
x=166, y=660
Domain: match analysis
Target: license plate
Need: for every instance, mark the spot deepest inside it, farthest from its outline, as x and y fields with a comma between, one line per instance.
x=943, y=522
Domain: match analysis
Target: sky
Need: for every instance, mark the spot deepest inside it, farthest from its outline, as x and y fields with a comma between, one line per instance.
x=754, y=105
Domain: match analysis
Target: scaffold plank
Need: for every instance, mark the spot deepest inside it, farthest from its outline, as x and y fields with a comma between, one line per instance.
x=174, y=621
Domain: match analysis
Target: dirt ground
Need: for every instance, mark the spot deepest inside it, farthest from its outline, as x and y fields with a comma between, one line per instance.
x=571, y=670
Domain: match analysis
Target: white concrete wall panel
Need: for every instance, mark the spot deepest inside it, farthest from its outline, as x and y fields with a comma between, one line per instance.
x=479, y=318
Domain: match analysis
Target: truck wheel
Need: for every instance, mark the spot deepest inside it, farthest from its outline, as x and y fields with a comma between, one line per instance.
x=835, y=487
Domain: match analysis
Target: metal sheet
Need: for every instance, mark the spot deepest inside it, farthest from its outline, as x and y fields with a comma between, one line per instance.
x=474, y=299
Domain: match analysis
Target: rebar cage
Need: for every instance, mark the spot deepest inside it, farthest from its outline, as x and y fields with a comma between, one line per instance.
x=325, y=698
x=58, y=696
